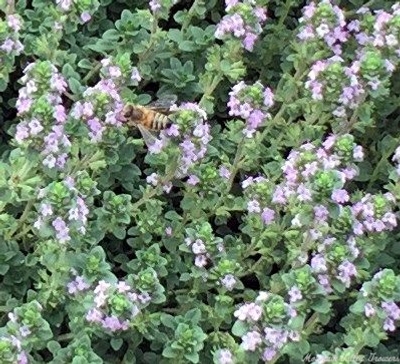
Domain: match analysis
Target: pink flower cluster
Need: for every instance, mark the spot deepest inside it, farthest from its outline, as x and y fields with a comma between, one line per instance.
x=251, y=103
x=156, y=6
x=42, y=114
x=196, y=137
x=212, y=250
x=114, y=305
x=350, y=87
x=102, y=106
x=155, y=179
x=19, y=331
x=336, y=255
x=257, y=200
x=302, y=189
x=331, y=29
x=396, y=160
x=78, y=284
x=345, y=81
x=260, y=336
x=65, y=220
x=243, y=21
x=381, y=33
x=377, y=308
x=11, y=44
x=328, y=262
x=85, y=14
x=14, y=344
x=302, y=167
x=224, y=356
x=374, y=213
x=199, y=250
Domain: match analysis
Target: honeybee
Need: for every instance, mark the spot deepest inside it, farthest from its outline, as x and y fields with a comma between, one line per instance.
x=151, y=118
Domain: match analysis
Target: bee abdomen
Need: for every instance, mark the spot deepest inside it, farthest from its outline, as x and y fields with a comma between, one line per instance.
x=161, y=121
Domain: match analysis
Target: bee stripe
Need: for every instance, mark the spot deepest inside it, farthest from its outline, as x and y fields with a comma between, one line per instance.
x=160, y=121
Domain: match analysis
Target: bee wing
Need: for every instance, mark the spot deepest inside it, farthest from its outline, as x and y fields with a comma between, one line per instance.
x=148, y=137
x=163, y=104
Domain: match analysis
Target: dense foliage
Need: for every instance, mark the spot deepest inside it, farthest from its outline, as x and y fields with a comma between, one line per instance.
x=260, y=227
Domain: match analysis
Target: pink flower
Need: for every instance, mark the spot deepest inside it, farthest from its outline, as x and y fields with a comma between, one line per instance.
x=295, y=294
x=152, y=179
x=135, y=75
x=251, y=340
x=85, y=17
x=369, y=310
x=193, y=180
x=154, y=5
x=249, y=41
x=253, y=206
x=224, y=172
x=340, y=196
x=228, y=281
x=267, y=215
x=94, y=315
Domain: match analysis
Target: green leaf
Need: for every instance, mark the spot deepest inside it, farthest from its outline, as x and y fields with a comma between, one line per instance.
x=119, y=232
x=239, y=328
x=297, y=350
x=187, y=46
x=175, y=63
x=366, y=170
x=101, y=46
x=168, y=352
x=180, y=16
x=358, y=307
x=143, y=99
x=372, y=338
x=185, y=277
x=192, y=357
x=225, y=66
x=75, y=86
x=172, y=215
x=193, y=315
x=111, y=35
x=116, y=343
x=69, y=72
x=175, y=35
x=188, y=69
x=321, y=305
x=170, y=74
x=53, y=346
x=3, y=83
x=188, y=203
x=126, y=16
x=168, y=321
x=85, y=64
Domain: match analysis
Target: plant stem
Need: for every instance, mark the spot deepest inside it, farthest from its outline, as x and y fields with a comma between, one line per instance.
x=377, y=169
x=22, y=233
x=152, y=41
x=236, y=162
x=70, y=96
x=284, y=15
x=189, y=16
x=89, y=75
x=65, y=337
x=210, y=88
x=309, y=326
x=297, y=76
x=23, y=217
x=234, y=170
x=144, y=198
x=10, y=7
